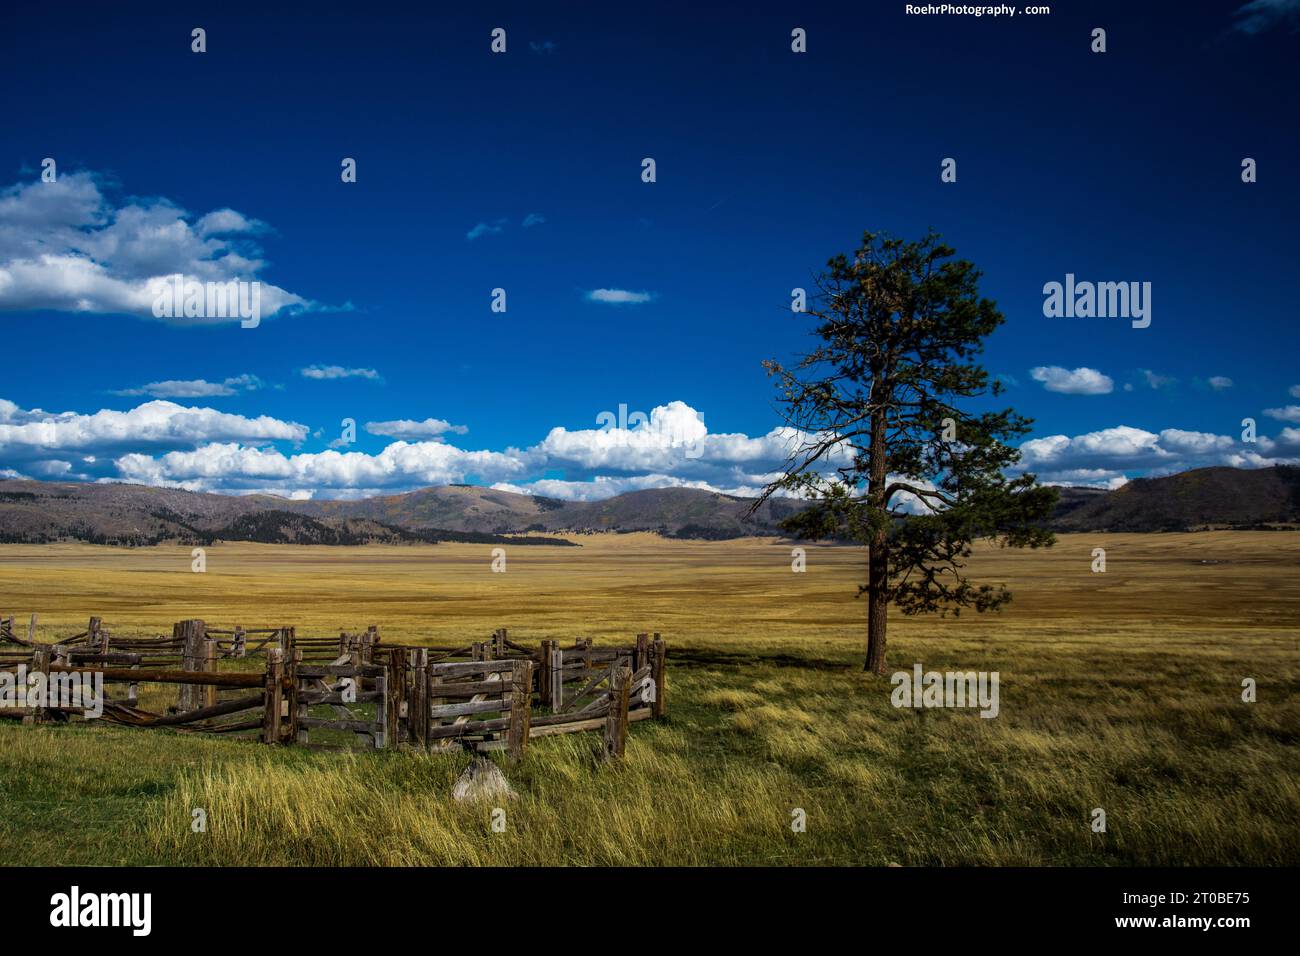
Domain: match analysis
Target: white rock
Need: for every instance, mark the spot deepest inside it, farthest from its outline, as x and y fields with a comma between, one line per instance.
x=482, y=780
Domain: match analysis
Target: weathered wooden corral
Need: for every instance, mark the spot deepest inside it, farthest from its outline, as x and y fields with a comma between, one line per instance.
x=355, y=689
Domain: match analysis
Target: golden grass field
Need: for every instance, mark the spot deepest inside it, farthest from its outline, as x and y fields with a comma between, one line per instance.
x=1119, y=690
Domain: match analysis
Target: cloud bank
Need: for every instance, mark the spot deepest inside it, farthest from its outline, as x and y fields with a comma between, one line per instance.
x=68, y=246
x=202, y=449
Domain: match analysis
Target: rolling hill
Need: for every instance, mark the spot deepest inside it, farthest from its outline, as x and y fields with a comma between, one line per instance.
x=37, y=512
x=34, y=511
x=1203, y=498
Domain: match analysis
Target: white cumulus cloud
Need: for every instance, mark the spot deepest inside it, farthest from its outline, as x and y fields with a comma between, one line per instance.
x=164, y=443
x=195, y=388
x=67, y=246
x=485, y=229
x=1108, y=456
x=28, y=436
x=406, y=428
x=1079, y=381
x=328, y=372
x=1290, y=413
x=618, y=296
x=232, y=467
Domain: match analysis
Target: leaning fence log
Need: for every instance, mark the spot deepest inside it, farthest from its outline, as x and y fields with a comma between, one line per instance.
x=160, y=676
x=223, y=709
x=589, y=687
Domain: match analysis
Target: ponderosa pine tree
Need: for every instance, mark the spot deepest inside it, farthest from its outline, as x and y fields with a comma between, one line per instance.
x=888, y=458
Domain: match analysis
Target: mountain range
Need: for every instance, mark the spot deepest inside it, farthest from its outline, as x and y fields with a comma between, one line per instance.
x=110, y=513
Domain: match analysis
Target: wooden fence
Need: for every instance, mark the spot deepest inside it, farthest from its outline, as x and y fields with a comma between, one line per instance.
x=495, y=694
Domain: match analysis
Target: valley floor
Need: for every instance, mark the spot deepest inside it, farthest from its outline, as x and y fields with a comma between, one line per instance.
x=1119, y=691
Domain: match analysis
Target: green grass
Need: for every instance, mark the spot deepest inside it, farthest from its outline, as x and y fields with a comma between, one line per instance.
x=1108, y=699
x=714, y=784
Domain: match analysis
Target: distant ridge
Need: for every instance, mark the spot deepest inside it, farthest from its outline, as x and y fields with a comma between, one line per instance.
x=37, y=511
x=1203, y=498
x=673, y=512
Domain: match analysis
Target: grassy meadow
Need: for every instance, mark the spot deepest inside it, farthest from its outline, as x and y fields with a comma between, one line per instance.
x=1119, y=690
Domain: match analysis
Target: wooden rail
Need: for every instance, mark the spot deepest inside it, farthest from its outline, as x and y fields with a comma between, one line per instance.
x=357, y=688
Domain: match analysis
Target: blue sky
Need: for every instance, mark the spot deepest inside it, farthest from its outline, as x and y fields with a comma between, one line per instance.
x=522, y=171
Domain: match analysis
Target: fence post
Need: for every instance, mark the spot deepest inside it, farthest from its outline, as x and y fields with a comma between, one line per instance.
x=557, y=677
x=659, y=655
x=196, y=655
x=641, y=655
x=303, y=709
x=544, y=675
x=238, y=642
x=274, y=695
x=97, y=636
x=417, y=713
x=207, y=693
x=40, y=665
x=499, y=651
x=394, y=694
x=616, y=722
x=292, y=731
x=434, y=679
x=379, y=736
x=521, y=700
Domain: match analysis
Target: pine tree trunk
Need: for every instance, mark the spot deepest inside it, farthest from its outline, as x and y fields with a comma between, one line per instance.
x=877, y=605
x=878, y=559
